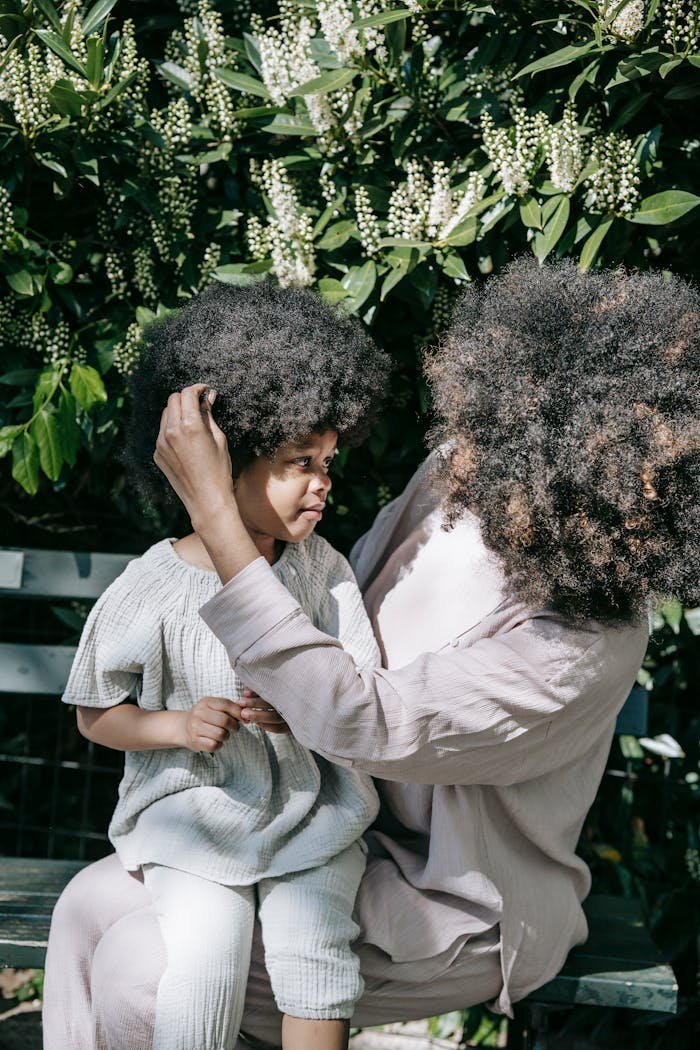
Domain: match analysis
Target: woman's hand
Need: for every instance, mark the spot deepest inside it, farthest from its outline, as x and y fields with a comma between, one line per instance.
x=192, y=452
x=210, y=722
x=256, y=711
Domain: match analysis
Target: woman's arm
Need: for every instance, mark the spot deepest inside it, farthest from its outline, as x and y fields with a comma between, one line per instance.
x=512, y=706
x=127, y=727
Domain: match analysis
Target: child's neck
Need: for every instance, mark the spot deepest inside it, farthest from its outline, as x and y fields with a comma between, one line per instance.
x=192, y=550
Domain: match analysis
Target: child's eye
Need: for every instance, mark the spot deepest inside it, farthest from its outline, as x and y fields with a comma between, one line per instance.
x=302, y=461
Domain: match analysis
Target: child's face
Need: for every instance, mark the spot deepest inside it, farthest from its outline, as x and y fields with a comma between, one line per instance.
x=284, y=497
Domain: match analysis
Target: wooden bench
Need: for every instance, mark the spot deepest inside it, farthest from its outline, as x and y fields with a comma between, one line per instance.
x=617, y=967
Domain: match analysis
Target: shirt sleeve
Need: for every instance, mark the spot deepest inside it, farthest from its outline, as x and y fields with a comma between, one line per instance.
x=510, y=707
x=115, y=647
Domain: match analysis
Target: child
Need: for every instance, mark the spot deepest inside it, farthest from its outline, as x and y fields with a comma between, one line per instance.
x=220, y=818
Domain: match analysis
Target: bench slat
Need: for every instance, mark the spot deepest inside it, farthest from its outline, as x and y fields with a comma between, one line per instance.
x=29, y=889
x=619, y=965
x=40, y=669
x=64, y=574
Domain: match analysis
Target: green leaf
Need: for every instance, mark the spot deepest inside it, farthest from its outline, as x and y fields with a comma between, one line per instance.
x=396, y=274
x=19, y=377
x=464, y=233
x=86, y=386
x=25, y=463
x=337, y=235
x=44, y=430
x=176, y=75
x=95, y=60
x=563, y=57
x=66, y=100
x=680, y=92
x=96, y=15
x=548, y=239
x=454, y=267
x=359, y=283
x=530, y=212
x=68, y=428
x=117, y=89
x=7, y=438
x=242, y=82
x=381, y=20
x=333, y=80
x=286, y=124
x=332, y=290
x=50, y=13
x=239, y=274
x=591, y=247
x=46, y=384
x=662, y=208
x=59, y=47
x=20, y=282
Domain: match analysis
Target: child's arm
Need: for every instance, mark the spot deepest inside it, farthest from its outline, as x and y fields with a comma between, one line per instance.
x=127, y=727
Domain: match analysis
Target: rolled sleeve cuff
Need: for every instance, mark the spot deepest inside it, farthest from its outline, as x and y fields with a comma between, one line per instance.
x=250, y=605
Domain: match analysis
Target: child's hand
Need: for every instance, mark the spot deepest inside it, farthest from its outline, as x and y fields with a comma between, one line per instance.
x=210, y=723
x=258, y=712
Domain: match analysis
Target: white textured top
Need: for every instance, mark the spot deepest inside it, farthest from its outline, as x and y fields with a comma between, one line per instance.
x=263, y=804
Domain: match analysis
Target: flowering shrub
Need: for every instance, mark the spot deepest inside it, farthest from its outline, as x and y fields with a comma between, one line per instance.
x=379, y=150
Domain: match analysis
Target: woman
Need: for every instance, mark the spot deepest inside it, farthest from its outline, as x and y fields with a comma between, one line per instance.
x=568, y=467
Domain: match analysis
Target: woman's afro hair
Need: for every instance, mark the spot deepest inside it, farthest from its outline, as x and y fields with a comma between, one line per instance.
x=282, y=362
x=569, y=408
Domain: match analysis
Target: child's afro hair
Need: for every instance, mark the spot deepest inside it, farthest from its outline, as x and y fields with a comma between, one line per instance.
x=282, y=362
x=572, y=404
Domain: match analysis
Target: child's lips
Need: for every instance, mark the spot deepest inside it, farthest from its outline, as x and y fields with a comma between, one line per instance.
x=313, y=513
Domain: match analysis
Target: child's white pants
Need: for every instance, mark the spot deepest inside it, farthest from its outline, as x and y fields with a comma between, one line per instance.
x=207, y=929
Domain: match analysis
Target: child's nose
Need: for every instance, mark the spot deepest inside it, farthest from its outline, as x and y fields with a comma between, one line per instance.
x=321, y=482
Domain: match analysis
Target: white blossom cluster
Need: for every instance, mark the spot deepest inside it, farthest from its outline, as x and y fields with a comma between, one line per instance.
x=127, y=353
x=367, y=223
x=429, y=207
x=26, y=83
x=499, y=82
x=516, y=152
x=177, y=200
x=681, y=20
x=129, y=62
x=28, y=77
x=203, y=47
x=629, y=20
x=462, y=201
x=287, y=237
x=7, y=222
x=692, y=863
x=613, y=185
x=173, y=123
x=286, y=62
x=115, y=268
x=336, y=18
x=51, y=342
x=210, y=261
x=144, y=270
x=565, y=151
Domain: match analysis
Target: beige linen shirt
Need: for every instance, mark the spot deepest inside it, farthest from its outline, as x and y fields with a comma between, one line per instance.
x=491, y=741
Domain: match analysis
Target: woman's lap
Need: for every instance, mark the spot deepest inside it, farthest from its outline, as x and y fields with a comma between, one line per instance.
x=106, y=957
